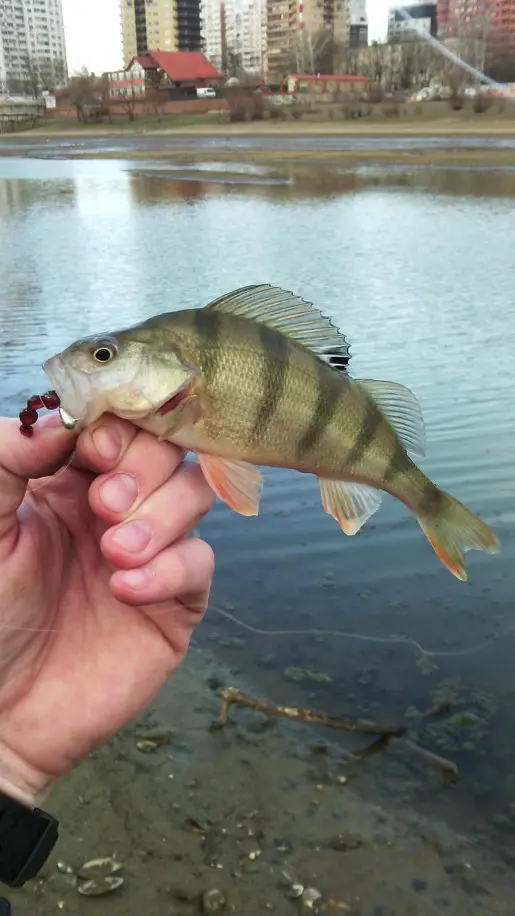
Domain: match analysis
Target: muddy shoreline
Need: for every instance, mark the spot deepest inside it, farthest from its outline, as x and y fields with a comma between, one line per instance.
x=256, y=812
x=317, y=147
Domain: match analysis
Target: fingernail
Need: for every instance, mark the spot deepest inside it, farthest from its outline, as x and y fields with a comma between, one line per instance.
x=107, y=441
x=119, y=492
x=133, y=537
x=136, y=578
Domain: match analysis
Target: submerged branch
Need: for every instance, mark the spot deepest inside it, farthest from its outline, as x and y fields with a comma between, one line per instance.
x=386, y=733
x=361, y=726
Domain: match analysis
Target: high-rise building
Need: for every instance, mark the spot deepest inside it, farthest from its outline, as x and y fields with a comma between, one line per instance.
x=486, y=20
x=408, y=21
x=358, y=23
x=254, y=35
x=283, y=20
x=213, y=32
x=32, y=46
x=504, y=23
x=3, y=68
x=295, y=31
x=164, y=25
x=455, y=15
x=234, y=34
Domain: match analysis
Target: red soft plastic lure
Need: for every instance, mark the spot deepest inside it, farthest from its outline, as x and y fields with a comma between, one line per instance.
x=29, y=415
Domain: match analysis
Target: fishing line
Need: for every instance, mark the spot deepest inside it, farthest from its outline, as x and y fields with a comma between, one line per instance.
x=388, y=640
x=340, y=634
x=51, y=477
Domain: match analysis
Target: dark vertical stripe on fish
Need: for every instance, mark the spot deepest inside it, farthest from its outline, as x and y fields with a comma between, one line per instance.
x=430, y=501
x=329, y=396
x=397, y=464
x=275, y=367
x=208, y=326
x=371, y=423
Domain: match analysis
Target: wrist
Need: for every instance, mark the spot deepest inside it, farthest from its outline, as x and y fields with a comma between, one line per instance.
x=20, y=780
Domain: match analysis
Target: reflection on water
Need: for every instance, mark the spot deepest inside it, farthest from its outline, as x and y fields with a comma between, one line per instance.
x=417, y=268
x=294, y=181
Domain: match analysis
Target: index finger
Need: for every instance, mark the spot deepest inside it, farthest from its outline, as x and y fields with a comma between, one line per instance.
x=102, y=445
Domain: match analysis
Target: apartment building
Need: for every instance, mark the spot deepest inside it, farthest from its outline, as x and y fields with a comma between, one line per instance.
x=167, y=25
x=488, y=20
x=213, y=32
x=234, y=34
x=32, y=47
x=504, y=22
x=408, y=21
x=453, y=15
x=283, y=20
x=254, y=35
x=357, y=23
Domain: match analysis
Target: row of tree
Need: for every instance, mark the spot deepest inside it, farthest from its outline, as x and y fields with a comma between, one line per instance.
x=90, y=95
x=475, y=42
x=473, y=39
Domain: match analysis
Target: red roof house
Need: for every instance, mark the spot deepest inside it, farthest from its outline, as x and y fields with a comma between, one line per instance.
x=179, y=67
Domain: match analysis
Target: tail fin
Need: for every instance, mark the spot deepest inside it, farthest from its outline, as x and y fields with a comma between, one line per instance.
x=454, y=531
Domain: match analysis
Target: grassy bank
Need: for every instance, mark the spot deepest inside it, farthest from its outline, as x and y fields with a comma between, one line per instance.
x=426, y=119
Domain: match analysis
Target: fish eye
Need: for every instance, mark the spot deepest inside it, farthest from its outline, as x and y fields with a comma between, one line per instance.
x=103, y=354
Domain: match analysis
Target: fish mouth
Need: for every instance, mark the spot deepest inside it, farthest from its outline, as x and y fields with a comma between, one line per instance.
x=66, y=385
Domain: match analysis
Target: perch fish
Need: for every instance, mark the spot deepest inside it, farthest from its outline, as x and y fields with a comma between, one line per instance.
x=261, y=377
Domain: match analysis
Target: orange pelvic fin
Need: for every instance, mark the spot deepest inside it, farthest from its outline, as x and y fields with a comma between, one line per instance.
x=235, y=482
x=350, y=504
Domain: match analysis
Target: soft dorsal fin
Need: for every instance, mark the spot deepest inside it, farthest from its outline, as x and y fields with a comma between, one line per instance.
x=402, y=411
x=294, y=317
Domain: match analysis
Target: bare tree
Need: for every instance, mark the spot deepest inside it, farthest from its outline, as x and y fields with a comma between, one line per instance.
x=33, y=81
x=128, y=102
x=470, y=33
x=60, y=74
x=84, y=90
x=315, y=52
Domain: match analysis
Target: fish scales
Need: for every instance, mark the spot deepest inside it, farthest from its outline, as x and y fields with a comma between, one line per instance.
x=268, y=397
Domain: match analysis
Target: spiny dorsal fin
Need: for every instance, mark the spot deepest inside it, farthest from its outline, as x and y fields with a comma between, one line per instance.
x=285, y=312
x=402, y=411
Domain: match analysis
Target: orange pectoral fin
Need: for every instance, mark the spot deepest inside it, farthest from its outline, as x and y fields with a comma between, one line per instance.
x=236, y=483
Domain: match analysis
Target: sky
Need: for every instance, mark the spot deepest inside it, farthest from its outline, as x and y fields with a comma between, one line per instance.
x=93, y=32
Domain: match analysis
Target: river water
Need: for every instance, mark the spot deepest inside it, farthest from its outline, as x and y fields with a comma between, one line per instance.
x=417, y=268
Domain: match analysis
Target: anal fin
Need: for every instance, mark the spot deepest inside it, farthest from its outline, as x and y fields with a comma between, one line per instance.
x=350, y=504
x=236, y=483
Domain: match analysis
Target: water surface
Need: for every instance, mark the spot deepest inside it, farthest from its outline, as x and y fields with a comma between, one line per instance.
x=417, y=269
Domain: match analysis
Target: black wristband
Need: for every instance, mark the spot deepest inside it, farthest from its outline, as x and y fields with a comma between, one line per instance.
x=27, y=837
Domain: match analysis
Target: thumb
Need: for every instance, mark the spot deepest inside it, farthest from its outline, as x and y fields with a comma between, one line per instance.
x=22, y=459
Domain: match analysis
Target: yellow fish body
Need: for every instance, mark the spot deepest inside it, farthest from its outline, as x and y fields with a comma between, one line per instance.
x=260, y=377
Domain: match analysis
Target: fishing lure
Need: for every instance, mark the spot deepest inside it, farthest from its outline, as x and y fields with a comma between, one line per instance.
x=29, y=415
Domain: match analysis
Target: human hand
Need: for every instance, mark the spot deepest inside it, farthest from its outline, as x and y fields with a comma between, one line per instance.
x=100, y=588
